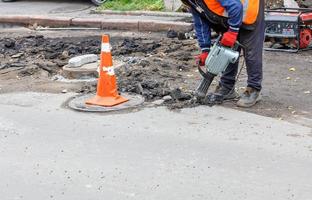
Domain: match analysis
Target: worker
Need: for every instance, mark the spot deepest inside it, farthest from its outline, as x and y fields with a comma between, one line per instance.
x=241, y=20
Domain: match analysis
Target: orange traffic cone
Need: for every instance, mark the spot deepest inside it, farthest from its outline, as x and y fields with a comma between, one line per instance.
x=107, y=94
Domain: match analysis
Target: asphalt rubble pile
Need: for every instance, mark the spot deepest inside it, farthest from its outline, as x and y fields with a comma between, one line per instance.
x=34, y=53
x=156, y=69
x=162, y=70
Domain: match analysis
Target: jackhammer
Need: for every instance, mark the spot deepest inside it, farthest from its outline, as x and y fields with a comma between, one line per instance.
x=219, y=58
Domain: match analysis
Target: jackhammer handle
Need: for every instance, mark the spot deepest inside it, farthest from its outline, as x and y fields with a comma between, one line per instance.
x=237, y=45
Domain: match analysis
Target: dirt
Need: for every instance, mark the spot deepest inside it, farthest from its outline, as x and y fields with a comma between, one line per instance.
x=274, y=3
x=280, y=3
x=304, y=3
x=157, y=67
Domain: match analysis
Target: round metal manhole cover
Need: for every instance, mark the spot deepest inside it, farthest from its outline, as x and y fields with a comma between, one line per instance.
x=78, y=103
x=69, y=9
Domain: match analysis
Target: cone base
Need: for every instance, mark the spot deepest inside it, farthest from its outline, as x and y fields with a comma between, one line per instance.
x=106, y=101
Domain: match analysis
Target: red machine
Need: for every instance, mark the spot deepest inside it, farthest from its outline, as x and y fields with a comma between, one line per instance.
x=289, y=29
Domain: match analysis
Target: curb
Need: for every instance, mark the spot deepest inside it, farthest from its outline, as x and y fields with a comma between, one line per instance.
x=105, y=24
x=50, y=21
x=139, y=13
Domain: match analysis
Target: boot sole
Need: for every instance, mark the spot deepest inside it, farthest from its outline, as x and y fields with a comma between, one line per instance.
x=244, y=105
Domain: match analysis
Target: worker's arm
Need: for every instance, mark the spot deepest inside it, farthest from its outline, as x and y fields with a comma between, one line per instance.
x=202, y=30
x=235, y=11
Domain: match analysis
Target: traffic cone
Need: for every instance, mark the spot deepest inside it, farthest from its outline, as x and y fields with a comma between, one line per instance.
x=107, y=92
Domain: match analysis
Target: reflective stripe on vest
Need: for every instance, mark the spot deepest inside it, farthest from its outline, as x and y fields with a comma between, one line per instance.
x=251, y=9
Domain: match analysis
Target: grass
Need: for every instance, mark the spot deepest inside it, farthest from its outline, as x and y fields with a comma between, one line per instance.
x=128, y=5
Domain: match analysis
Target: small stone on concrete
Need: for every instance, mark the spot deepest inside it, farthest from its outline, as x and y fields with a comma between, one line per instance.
x=82, y=60
x=167, y=98
x=158, y=102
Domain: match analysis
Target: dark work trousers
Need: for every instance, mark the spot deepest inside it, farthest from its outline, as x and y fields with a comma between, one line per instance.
x=253, y=50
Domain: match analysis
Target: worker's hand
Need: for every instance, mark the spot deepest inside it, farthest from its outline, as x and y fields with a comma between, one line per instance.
x=201, y=59
x=229, y=38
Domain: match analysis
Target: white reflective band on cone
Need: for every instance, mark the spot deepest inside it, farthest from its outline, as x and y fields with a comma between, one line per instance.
x=106, y=48
x=98, y=70
x=110, y=70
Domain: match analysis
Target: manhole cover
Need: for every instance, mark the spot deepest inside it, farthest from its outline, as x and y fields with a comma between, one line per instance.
x=78, y=103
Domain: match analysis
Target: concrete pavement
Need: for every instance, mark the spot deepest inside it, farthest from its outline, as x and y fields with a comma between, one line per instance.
x=50, y=152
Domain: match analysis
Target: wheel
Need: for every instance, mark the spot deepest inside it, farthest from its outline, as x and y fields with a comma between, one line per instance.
x=98, y=2
x=305, y=38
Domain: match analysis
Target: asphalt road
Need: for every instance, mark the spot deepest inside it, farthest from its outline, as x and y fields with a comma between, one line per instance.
x=45, y=7
x=50, y=152
x=77, y=8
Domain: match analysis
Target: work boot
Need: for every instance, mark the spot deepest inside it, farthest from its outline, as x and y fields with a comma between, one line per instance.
x=249, y=98
x=228, y=94
x=220, y=95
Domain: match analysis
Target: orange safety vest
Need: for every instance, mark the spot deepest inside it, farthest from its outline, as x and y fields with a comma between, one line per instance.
x=251, y=10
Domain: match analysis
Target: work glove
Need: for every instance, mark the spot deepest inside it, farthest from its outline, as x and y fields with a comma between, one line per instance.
x=229, y=38
x=201, y=59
